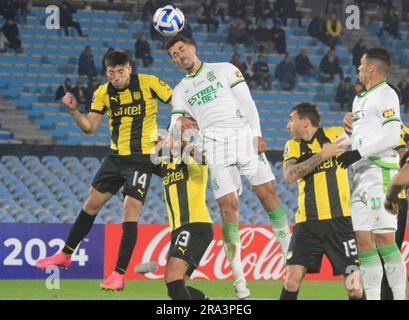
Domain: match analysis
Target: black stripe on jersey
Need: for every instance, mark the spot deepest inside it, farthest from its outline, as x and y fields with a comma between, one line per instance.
x=100, y=111
x=183, y=197
x=332, y=182
x=135, y=140
x=114, y=104
x=169, y=202
x=310, y=203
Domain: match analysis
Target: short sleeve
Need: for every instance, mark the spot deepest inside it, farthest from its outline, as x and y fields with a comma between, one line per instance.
x=291, y=150
x=233, y=75
x=160, y=89
x=178, y=102
x=98, y=100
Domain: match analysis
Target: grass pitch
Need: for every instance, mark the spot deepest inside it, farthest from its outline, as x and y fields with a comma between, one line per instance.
x=155, y=290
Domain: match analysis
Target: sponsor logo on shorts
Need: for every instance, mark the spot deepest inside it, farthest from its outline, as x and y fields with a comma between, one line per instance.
x=289, y=255
x=182, y=250
x=215, y=185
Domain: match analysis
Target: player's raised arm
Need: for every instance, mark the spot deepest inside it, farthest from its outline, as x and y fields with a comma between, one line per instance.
x=89, y=122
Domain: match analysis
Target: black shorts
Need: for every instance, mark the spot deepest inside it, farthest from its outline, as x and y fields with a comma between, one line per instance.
x=190, y=242
x=334, y=238
x=131, y=172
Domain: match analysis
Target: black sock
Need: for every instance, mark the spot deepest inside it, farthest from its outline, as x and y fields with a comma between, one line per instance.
x=196, y=294
x=128, y=242
x=177, y=290
x=79, y=230
x=288, y=295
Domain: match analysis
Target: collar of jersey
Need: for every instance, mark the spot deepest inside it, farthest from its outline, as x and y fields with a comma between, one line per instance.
x=191, y=76
x=363, y=94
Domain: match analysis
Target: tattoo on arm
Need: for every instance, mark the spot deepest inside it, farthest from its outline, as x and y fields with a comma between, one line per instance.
x=294, y=171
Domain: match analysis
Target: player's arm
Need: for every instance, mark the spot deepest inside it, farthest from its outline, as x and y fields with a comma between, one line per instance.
x=399, y=182
x=89, y=122
x=295, y=169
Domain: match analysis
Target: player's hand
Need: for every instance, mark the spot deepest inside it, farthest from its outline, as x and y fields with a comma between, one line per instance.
x=70, y=102
x=330, y=150
x=348, y=158
x=391, y=205
x=188, y=123
x=347, y=122
x=260, y=144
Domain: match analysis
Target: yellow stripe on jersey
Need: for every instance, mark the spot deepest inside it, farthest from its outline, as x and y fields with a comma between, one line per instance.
x=185, y=193
x=132, y=112
x=324, y=193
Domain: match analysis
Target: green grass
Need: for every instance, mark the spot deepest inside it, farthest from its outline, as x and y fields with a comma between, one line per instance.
x=155, y=289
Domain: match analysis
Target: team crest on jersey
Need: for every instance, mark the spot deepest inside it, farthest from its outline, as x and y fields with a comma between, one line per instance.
x=211, y=76
x=388, y=113
x=137, y=95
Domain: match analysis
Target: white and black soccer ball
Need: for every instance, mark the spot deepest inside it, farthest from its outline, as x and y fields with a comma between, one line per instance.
x=168, y=20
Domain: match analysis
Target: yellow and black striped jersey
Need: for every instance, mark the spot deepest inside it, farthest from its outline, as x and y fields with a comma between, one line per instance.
x=324, y=193
x=132, y=112
x=404, y=141
x=185, y=192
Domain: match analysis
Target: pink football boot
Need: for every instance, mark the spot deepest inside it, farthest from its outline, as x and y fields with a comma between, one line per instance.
x=114, y=282
x=57, y=260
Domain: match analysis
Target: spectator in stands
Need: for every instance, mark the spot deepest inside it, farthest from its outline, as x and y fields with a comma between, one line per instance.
x=12, y=33
x=81, y=95
x=86, y=65
x=237, y=8
x=262, y=75
x=285, y=9
x=345, y=94
x=404, y=89
x=318, y=28
x=264, y=38
x=250, y=39
x=66, y=18
x=303, y=66
x=358, y=51
x=330, y=65
x=206, y=15
x=93, y=85
x=218, y=9
x=405, y=10
x=8, y=9
x=103, y=67
x=237, y=33
x=248, y=71
x=63, y=89
x=235, y=59
x=278, y=37
x=149, y=9
x=143, y=51
x=4, y=43
x=187, y=30
x=285, y=73
x=262, y=10
x=334, y=30
x=21, y=14
x=391, y=24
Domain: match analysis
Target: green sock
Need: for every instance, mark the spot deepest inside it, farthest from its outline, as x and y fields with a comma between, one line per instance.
x=395, y=270
x=230, y=232
x=279, y=223
x=371, y=270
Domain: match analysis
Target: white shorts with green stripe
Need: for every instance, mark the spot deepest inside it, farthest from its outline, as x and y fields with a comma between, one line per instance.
x=368, y=195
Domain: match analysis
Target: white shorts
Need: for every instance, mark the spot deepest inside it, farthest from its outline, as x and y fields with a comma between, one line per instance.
x=230, y=155
x=368, y=196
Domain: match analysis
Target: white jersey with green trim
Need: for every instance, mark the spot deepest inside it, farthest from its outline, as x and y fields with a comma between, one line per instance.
x=207, y=96
x=376, y=127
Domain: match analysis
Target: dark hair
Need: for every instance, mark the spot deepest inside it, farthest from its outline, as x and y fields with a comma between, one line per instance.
x=310, y=111
x=117, y=57
x=383, y=56
x=171, y=42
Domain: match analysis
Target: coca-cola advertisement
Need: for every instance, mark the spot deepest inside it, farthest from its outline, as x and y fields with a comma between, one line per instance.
x=261, y=254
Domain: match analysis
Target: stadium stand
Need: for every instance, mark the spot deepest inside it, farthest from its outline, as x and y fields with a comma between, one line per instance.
x=51, y=189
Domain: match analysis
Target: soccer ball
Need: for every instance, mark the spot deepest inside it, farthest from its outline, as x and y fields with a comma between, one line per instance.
x=168, y=20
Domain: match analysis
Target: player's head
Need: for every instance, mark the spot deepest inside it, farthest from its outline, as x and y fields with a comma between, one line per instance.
x=182, y=50
x=374, y=63
x=303, y=117
x=118, y=68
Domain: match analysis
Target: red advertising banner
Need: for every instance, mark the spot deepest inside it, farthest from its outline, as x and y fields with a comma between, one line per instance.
x=261, y=255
